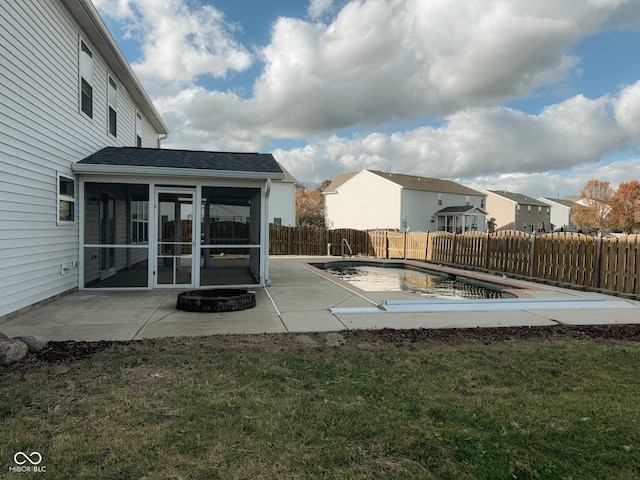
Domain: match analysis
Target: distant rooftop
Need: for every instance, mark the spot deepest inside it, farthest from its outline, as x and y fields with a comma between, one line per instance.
x=411, y=182
x=561, y=201
x=517, y=197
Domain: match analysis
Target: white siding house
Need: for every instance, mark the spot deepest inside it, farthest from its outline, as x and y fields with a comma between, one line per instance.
x=65, y=92
x=87, y=198
x=561, y=211
x=372, y=199
x=282, y=201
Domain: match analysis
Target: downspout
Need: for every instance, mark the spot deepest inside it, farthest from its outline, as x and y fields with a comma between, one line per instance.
x=161, y=138
x=265, y=265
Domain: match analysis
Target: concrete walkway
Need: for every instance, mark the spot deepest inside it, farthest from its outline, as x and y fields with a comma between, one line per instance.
x=301, y=299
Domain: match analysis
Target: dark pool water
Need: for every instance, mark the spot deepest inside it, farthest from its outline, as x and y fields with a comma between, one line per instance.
x=388, y=279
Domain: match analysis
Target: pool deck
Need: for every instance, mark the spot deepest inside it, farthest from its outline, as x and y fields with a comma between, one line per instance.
x=303, y=299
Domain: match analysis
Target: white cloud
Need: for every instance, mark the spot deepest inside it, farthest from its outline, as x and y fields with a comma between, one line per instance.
x=317, y=8
x=481, y=142
x=627, y=108
x=554, y=184
x=380, y=61
x=180, y=41
x=376, y=61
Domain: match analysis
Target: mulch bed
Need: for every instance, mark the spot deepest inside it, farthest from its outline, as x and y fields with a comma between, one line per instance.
x=72, y=351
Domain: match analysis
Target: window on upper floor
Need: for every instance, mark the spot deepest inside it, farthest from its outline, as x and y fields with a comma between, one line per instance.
x=66, y=199
x=113, y=107
x=439, y=199
x=86, y=80
x=529, y=209
x=138, y=130
x=466, y=199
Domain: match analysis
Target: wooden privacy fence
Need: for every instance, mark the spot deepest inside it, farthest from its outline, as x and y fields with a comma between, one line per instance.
x=317, y=241
x=569, y=258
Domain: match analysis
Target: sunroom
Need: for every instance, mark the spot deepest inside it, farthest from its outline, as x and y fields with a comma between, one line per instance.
x=159, y=218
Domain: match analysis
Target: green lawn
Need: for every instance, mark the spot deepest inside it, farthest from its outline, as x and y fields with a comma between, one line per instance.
x=268, y=407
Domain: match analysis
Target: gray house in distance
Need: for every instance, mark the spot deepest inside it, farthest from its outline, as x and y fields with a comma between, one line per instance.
x=515, y=211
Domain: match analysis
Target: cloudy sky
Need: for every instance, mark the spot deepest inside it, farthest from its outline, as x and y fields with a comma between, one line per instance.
x=533, y=96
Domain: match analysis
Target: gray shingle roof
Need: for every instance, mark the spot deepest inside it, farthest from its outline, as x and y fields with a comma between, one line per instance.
x=560, y=201
x=187, y=159
x=459, y=209
x=411, y=182
x=518, y=198
x=428, y=184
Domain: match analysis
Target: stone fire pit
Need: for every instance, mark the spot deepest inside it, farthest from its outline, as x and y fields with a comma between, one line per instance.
x=216, y=300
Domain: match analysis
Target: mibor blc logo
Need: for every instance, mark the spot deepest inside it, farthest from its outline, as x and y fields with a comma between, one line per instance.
x=28, y=463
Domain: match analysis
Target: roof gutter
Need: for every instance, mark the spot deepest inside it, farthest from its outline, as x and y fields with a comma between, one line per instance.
x=100, y=169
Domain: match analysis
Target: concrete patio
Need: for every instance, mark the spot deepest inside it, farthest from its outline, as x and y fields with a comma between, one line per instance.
x=299, y=300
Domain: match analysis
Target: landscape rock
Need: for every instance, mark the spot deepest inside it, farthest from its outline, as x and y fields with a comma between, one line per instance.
x=11, y=351
x=34, y=343
x=306, y=340
x=334, y=340
x=3, y=336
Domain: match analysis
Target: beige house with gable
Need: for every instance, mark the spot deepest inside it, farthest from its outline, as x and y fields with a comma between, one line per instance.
x=372, y=199
x=516, y=211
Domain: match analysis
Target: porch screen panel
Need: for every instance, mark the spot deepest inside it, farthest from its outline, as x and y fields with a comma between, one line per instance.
x=230, y=240
x=116, y=235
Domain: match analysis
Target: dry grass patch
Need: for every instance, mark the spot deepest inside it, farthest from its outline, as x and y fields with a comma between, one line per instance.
x=385, y=405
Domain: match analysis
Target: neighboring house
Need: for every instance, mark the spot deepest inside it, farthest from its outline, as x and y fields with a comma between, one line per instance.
x=86, y=200
x=282, y=201
x=561, y=211
x=372, y=199
x=515, y=211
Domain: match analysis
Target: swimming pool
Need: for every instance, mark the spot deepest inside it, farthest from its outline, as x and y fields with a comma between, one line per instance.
x=397, y=277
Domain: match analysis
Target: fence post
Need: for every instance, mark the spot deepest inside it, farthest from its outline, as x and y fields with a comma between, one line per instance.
x=532, y=251
x=453, y=249
x=486, y=251
x=599, y=260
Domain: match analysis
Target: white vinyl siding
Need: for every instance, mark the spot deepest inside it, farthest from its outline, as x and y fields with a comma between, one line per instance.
x=366, y=201
x=42, y=133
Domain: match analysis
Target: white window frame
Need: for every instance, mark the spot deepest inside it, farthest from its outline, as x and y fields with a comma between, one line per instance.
x=85, y=73
x=60, y=197
x=112, y=104
x=138, y=135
